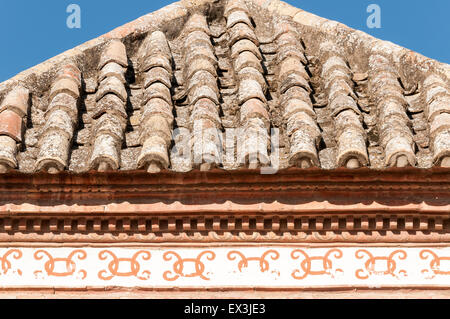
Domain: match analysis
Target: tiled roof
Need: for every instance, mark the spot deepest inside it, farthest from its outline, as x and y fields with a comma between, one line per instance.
x=227, y=84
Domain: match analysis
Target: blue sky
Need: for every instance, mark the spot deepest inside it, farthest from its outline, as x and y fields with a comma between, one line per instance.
x=34, y=31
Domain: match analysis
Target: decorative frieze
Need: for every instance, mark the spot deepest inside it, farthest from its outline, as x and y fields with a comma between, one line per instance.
x=270, y=266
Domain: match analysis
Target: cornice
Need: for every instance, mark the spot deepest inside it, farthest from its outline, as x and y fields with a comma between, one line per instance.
x=240, y=182
x=315, y=206
x=388, y=228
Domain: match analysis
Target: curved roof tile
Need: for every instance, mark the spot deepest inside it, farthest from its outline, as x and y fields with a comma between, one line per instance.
x=187, y=88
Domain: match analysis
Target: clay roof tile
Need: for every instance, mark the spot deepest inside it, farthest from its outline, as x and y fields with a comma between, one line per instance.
x=337, y=96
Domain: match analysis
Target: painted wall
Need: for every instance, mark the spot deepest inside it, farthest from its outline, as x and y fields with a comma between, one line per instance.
x=269, y=266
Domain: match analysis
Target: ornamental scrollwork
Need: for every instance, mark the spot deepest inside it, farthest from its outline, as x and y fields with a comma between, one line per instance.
x=244, y=262
x=306, y=264
x=435, y=263
x=179, y=265
x=369, y=265
x=113, y=266
x=69, y=263
x=6, y=264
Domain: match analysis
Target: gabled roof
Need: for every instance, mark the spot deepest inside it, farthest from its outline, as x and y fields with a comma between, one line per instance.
x=169, y=90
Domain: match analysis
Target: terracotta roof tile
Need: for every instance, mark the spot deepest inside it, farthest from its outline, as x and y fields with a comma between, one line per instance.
x=255, y=122
x=197, y=39
x=205, y=108
x=12, y=112
x=112, y=104
x=115, y=52
x=109, y=127
x=111, y=70
x=168, y=98
x=245, y=45
x=157, y=118
x=11, y=125
x=241, y=31
x=395, y=135
x=157, y=74
x=235, y=5
x=236, y=17
x=203, y=96
x=437, y=112
x=66, y=102
x=157, y=106
x=17, y=100
x=255, y=108
x=8, y=152
x=301, y=125
x=350, y=135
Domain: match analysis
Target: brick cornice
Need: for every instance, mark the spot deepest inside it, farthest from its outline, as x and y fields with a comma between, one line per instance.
x=396, y=205
x=227, y=229
x=431, y=184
